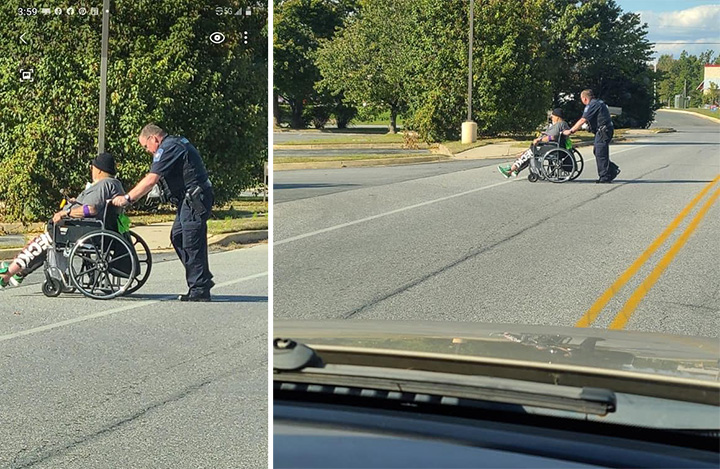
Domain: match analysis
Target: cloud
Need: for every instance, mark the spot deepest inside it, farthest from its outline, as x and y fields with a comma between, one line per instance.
x=694, y=30
x=683, y=24
x=705, y=17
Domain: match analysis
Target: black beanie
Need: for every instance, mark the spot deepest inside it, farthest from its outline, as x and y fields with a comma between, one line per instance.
x=105, y=162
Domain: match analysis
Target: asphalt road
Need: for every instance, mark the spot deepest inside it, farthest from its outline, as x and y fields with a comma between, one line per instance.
x=141, y=381
x=457, y=241
x=303, y=184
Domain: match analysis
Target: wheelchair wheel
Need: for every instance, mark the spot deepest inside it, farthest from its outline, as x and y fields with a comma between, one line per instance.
x=532, y=177
x=144, y=262
x=52, y=288
x=102, y=265
x=579, y=164
x=558, y=165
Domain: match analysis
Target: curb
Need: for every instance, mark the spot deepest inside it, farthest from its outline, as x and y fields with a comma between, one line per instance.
x=714, y=119
x=223, y=240
x=240, y=237
x=357, y=163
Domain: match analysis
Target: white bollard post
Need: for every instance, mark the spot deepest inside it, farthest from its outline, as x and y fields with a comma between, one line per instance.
x=469, y=132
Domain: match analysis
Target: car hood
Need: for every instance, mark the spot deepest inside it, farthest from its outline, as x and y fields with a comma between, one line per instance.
x=640, y=352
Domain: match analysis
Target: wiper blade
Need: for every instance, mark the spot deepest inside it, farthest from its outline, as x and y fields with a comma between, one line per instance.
x=298, y=368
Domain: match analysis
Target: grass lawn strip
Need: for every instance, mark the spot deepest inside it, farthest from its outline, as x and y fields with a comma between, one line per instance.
x=315, y=159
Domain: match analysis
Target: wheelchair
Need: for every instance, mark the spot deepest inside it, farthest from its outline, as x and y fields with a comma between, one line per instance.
x=92, y=257
x=555, y=162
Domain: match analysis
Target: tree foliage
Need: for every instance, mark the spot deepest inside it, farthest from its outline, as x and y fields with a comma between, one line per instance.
x=528, y=55
x=682, y=76
x=298, y=28
x=367, y=61
x=162, y=68
x=595, y=45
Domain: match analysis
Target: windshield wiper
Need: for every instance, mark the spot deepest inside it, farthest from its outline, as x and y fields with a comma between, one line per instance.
x=298, y=368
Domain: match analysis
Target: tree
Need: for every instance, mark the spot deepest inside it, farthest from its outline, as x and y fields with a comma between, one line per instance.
x=298, y=28
x=593, y=44
x=511, y=91
x=162, y=68
x=682, y=75
x=367, y=60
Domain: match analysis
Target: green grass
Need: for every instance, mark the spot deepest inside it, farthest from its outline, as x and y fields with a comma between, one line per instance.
x=315, y=159
x=365, y=138
x=457, y=146
x=216, y=227
x=705, y=112
x=250, y=208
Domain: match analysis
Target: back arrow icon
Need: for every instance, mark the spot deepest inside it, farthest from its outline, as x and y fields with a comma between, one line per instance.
x=22, y=40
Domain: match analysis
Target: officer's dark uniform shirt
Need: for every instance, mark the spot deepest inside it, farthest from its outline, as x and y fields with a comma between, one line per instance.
x=179, y=163
x=597, y=114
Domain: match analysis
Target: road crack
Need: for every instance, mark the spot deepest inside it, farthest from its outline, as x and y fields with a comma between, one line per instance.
x=472, y=254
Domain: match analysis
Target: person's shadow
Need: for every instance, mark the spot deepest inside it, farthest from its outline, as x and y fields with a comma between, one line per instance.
x=214, y=298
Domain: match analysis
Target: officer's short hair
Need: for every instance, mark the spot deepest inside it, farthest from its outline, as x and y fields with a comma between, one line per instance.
x=150, y=130
x=588, y=93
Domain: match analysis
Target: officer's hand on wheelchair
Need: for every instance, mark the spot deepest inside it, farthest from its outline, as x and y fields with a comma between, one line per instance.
x=567, y=132
x=120, y=201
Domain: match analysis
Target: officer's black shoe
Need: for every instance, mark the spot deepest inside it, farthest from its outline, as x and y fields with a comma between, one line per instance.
x=615, y=174
x=195, y=297
x=603, y=181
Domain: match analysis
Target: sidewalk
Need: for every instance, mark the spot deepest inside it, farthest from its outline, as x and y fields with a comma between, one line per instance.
x=157, y=237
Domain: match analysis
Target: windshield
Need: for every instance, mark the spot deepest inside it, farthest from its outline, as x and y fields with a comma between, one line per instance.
x=427, y=197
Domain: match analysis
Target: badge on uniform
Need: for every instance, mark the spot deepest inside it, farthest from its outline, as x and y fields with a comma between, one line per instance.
x=158, y=154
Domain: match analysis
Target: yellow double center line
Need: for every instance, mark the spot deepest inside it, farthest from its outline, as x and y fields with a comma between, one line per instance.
x=629, y=307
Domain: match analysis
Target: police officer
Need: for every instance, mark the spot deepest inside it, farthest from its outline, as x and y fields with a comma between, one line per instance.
x=178, y=168
x=597, y=115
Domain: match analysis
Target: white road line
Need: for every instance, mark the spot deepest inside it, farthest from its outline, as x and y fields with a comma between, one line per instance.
x=410, y=207
x=101, y=314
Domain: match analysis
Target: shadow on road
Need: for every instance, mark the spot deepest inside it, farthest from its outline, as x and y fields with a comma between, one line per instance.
x=215, y=298
x=646, y=181
x=309, y=186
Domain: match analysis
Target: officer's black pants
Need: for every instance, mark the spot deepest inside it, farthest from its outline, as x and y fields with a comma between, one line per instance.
x=601, y=149
x=189, y=238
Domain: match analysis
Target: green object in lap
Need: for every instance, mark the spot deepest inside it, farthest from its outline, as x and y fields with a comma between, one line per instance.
x=123, y=223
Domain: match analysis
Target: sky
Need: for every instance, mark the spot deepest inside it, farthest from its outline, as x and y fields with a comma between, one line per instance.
x=686, y=24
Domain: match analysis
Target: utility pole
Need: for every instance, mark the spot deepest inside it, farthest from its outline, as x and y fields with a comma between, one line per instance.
x=469, y=128
x=103, y=74
x=470, y=59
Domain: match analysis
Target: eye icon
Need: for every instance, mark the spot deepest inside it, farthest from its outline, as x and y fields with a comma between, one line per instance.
x=217, y=38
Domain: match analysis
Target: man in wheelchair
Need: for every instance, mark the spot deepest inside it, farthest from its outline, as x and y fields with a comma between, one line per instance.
x=552, y=134
x=89, y=204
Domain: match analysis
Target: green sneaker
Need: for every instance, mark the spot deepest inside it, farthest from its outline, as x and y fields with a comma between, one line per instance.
x=505, y=170
x=16, y=280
